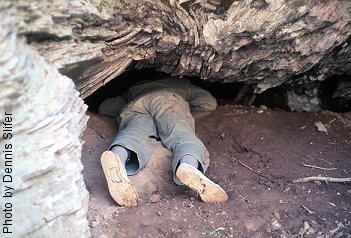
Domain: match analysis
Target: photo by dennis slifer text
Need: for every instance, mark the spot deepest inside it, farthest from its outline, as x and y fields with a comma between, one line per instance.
x=7, y=187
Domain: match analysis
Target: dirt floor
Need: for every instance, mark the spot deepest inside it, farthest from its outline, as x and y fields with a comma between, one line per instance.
x=256, y=153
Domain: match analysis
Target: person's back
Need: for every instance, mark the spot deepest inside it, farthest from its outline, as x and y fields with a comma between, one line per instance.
x=177, y=85
x=198, y=98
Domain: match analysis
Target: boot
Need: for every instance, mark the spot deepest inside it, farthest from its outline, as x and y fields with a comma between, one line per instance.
x=121, y=188
x=194, y=179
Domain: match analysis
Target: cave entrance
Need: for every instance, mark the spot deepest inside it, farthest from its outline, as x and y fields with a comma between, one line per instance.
x=331, y=94
x=225, y=93
x=256, y=154
x=335, y=93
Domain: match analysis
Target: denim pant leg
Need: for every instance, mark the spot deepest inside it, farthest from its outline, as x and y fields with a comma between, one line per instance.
x=176, y=128
x=137, y=133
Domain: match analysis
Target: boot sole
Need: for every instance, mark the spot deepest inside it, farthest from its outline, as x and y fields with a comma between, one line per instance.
x=120, y=187
x=207, y=189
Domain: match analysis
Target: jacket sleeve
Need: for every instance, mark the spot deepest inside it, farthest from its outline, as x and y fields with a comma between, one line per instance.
x=201, y=100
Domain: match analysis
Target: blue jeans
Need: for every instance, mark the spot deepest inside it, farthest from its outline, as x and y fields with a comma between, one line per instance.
x=165, y=115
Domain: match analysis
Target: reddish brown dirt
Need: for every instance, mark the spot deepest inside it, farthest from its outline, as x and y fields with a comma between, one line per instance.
x=272, y=143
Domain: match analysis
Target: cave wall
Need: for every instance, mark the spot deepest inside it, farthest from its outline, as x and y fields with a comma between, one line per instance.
x=42, y=119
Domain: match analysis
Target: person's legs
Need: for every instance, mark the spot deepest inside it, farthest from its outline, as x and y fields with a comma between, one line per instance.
x=123, y=153
x=136, y=137
x=129, y=151
x=176, y=130
x=175, y=127
x=190, y=160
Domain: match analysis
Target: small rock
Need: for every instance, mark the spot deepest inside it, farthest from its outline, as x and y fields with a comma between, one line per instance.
x=269, y=229
x=260, y=111
x=263, y=107
x=276, y=215
x=222, y=135
x=146, y=223
x=275, y=224
x=159, y=213
x=155, y=198
x=94, y=223
x=254, y=224
x=305, y=227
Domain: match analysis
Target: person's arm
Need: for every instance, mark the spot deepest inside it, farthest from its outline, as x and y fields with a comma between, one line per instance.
x=201, y=100
x=112, y=106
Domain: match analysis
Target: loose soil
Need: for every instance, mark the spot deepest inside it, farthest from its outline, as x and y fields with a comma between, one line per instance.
x=264, y=203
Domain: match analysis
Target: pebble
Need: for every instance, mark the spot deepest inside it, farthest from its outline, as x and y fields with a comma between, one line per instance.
x=254, y=224
x=155, y=198
x=159, y=213
x=260, y=111
x=222, y=135
x=276, y=215
x=275, y=224
x=269, y=229
x=94, y=223
x=146, y=223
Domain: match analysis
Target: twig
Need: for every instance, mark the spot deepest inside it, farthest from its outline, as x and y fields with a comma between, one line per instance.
x=218, y=229
x=307, y=209
x=329, y=123
x=250, y=168
x=243, y=198
x=325, y=179
x=308, y=156
x=317, y=167
x=245, y=166
x=326, y=161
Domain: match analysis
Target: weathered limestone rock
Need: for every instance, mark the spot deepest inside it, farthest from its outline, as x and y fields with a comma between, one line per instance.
x=262, y=42
x=48, y=117
x=303, y=100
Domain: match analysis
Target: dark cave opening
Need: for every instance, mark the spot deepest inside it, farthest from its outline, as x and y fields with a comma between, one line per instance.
x=334, y=93
x=224, y=92
x=119, y=85
x=272, y=98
